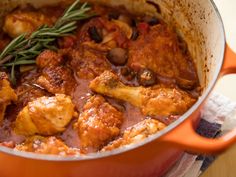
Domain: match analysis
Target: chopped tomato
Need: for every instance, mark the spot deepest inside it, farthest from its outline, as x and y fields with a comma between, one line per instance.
x=143, y=28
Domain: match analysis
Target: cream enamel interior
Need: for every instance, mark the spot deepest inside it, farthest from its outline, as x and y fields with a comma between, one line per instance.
x=196, y=21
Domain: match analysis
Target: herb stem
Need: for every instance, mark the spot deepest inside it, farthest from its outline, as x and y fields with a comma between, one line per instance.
x=25, y=48
x=6, y=59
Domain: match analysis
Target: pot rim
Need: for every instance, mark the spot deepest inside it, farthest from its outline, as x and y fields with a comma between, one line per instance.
x=95, y=156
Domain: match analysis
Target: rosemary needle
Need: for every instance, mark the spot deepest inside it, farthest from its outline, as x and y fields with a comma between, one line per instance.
x=24, y=49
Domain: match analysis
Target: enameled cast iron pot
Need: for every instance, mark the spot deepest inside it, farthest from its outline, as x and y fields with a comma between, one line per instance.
x=201, y=26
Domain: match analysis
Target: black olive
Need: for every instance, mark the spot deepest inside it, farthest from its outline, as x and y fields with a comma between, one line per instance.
x=118, y=56
x=113, y=15
x=147, y=77
x=151, y=20
x=95, y=34
x=128, y=73
x=134, y=23
x=135, y=34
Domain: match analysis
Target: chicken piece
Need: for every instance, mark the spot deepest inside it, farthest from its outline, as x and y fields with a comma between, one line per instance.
x=8, y=144
x=49, y=58
x=25, y=21
x=56, y=78
x=159, y=50
x=154, y=101
x=136, y=134
x=45, y=116
x=98, y=123
x=7, y=94
x=46, y=145
x=89, y=63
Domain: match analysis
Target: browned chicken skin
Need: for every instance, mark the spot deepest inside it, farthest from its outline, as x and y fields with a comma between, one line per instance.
x=20, y=22
x=56, y=77
x=7, y=94
x=152, y=101
x=98, y=123
x=136, y=134
x=57, y=80
x=46, y=145
x=45, y=116
x=88, y=62
x=159, y=51
x=49, y=58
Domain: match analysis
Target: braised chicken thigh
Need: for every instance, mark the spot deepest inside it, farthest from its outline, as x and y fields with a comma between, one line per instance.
x=45, y=116
x=56, y=78
x=136, y=133
x=159, y=50
x=88, y=62
x=98, y=123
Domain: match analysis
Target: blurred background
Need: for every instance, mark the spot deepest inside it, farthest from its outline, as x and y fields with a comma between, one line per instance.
x=225, y=165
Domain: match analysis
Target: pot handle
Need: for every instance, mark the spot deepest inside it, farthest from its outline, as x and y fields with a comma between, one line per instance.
x=185, y=136
x=229, y=65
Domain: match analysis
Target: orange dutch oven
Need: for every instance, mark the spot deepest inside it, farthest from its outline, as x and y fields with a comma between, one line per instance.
x=200, y=24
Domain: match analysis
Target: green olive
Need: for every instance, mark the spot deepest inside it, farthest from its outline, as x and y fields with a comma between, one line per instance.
x=118, y=56
x=147, y=77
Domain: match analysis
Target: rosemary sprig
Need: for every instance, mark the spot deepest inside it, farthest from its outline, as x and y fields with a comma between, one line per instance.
x=24, y=49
